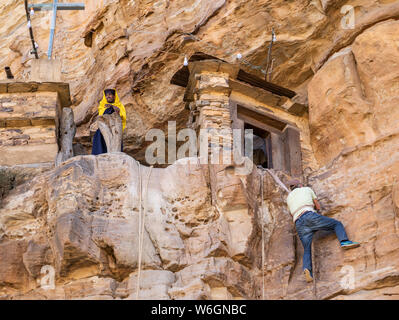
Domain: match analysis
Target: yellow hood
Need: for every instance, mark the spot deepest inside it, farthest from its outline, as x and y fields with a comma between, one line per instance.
x=117, y=103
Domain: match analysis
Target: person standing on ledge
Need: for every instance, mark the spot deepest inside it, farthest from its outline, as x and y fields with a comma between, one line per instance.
x=108, y=105
x=302, y=202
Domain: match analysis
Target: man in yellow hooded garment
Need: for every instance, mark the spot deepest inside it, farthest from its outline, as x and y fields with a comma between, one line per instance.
x=108, y=105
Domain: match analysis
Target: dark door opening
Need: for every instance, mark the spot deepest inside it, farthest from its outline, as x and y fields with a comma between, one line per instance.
x=262, y=147
x=276, y=143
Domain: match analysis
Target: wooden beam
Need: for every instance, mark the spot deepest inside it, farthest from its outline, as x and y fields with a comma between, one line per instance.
x=293, y=155
x=60, y=6
x=278, y=156
x=181, y=77
x=261, y=117
x=62, y=88
x=268, y=86
x=24, y=122
x=258, y=124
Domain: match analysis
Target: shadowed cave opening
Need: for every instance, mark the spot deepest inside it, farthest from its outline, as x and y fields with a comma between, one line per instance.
x=262, y=147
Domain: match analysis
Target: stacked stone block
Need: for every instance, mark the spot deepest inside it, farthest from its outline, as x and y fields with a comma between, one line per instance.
x=211, y=99
x=28, y=122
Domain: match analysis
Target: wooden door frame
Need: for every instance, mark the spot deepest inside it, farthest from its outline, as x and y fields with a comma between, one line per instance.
x=284, y=136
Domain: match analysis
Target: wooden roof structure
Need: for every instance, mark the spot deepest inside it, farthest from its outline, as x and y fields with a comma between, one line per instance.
x=181, y=77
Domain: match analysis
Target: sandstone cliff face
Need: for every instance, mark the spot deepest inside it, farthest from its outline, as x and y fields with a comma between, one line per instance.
x=95, y=228
x=137, y=46
x=85, y=221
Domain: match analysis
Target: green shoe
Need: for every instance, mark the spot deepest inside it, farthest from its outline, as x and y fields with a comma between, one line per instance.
x=349, y=244
x=308, y=275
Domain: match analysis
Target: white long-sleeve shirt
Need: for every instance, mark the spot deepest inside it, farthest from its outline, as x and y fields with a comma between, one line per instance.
x=300, y=200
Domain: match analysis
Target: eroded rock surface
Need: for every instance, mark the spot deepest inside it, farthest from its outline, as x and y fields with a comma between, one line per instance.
x=138, y=46
x=203, y=228
x=83, y=219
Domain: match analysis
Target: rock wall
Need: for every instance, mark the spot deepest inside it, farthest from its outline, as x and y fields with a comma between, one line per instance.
x=28, y=126
x=356, y=93
x=84, y=220
x=138, y=46
x=96, y=239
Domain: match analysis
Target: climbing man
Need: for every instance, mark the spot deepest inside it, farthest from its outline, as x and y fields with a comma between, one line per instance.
x=108, y=105
x=302, y=202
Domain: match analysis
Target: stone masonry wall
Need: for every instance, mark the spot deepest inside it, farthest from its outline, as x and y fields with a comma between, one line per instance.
x=212, y=99
x=28, y=127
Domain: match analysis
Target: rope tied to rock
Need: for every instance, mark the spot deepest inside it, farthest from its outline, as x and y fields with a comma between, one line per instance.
x=142, y=204
x=281, y=184
x=263, y=235
x=278, y=181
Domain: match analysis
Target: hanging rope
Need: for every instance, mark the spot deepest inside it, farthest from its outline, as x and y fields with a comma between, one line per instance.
x=140, y=206
x=269, y=56
x=279, y=182
x=141, y=222
x=263, y=236
x=314, y=269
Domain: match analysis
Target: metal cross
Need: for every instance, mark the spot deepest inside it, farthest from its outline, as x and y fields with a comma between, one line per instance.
x=54, y=7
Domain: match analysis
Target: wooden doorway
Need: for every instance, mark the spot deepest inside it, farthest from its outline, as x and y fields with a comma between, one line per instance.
x=276, y=141
x=262, y=146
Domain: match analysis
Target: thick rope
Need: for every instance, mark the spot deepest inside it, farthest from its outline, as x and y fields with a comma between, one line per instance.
x=313, y=271
x=312, y=249
x=279, y=182
x=141, y=224
x=140, y=205
x=263, y=237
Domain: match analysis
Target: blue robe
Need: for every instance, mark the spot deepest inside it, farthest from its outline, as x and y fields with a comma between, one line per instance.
x=99, y=145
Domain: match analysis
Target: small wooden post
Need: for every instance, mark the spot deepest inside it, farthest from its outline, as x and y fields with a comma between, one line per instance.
x=293, y=156
x=66, y=135
x=110, y=126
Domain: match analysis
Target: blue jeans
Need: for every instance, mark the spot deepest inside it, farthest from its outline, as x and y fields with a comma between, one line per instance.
x=310, y=222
